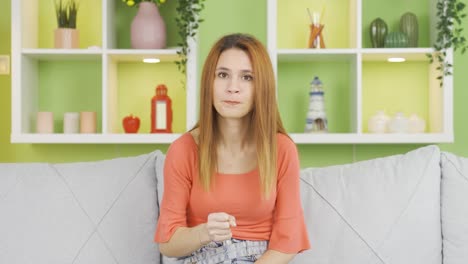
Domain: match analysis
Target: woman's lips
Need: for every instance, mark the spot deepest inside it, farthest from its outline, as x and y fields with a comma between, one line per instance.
x=232, y=103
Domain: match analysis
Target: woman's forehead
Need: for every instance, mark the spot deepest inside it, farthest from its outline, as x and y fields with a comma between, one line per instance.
x=234, y=59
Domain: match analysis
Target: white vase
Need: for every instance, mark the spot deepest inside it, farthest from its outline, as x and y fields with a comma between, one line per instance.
x=378, y=123
x=398, y=124
x=416, y=124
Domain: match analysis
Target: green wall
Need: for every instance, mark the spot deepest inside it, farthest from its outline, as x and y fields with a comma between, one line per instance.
x=221, y=17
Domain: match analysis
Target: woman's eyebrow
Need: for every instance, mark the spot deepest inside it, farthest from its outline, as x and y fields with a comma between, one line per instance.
x=223, y=69
x=227, y=69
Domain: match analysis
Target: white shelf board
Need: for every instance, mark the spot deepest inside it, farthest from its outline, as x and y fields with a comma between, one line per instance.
x=298, y=138
x=63, y=54
x=298, y=55
x=133, y=55
x=355, y=138
x=382, y=54
x=94, y=138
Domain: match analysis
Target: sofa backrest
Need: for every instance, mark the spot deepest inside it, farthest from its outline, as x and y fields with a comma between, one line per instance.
x=385, y=210
x=454, y=201
x=100, y=212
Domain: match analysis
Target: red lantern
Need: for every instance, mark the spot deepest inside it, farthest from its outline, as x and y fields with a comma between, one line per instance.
x=161, y=111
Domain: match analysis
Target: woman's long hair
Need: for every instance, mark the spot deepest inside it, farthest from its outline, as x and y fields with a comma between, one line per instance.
x=265, y=118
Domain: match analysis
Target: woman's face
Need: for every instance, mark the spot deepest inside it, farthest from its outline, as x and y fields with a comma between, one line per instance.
x=233, y=84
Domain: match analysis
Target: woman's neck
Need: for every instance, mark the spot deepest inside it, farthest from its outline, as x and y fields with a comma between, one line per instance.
x=235, y=134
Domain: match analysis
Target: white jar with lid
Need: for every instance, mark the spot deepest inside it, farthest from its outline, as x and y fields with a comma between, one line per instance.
x=378, y=122
x=398, y=124
x=416, y=124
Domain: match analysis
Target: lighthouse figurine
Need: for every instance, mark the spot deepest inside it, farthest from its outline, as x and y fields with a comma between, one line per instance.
x=316, y=121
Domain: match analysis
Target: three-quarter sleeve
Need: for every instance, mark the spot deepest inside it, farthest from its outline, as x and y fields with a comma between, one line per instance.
x=289, y=233
x=178, y=167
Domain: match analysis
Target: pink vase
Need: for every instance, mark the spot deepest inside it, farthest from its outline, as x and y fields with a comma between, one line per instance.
x=148, y=30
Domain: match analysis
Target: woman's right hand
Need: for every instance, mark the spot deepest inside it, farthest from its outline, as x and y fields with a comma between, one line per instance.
x=218, y=228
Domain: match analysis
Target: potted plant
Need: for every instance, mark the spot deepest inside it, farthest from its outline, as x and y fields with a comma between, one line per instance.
x=66, y=35
x=449, y=34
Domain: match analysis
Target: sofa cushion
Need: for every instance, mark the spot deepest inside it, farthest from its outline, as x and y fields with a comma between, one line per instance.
x=385, y=210
x=86, y=212
x=454, y=197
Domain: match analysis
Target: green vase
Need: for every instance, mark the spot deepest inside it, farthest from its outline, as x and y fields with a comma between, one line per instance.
x=396, y=40
x=409, y=26
x=378, y=32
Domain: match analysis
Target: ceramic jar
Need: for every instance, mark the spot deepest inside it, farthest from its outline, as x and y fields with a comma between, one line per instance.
x=378, y=123
x=88, y=122
x=45, y=123
x=416, y=124
x=398, y=123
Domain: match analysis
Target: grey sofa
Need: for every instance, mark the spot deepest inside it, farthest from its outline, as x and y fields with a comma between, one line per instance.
x=409, y=208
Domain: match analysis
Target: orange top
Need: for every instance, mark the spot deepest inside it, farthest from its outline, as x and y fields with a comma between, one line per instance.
x=279, y=219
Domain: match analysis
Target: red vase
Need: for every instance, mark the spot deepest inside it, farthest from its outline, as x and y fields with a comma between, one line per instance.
x=148, y=30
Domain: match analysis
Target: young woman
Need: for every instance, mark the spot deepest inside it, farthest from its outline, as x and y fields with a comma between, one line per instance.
x=231, y=184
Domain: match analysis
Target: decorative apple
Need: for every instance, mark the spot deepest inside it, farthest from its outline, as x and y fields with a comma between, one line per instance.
x=131, y=124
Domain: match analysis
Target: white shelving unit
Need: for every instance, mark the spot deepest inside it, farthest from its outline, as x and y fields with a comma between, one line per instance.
x=440, y=99
x=27, y=57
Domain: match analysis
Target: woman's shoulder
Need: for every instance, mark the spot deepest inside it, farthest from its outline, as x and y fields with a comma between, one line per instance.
x=185, y=143
x=286, y=148
x=284, y=141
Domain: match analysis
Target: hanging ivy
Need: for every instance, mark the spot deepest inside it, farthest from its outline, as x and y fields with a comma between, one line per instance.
x=188, y=21
x=450, y=14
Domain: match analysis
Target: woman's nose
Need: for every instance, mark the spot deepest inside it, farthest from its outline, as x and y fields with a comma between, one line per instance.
x=233, y=86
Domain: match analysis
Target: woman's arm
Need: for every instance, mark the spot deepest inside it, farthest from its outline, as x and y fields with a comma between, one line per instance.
x=275, y=257
x=289, y=232
x=184, y=241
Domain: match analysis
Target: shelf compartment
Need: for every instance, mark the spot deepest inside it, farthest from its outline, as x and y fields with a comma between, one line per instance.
x=340, y=85
x=339, y=18
x=391, y=12
x=132, y=84
x=408, y=87
x=58, y=87
x=37, y=23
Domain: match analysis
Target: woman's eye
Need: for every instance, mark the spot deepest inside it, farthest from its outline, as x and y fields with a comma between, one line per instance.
x=247, y=77
x=222, y=75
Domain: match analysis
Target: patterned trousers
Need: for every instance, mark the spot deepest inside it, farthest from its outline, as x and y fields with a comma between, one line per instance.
x=233, y=251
